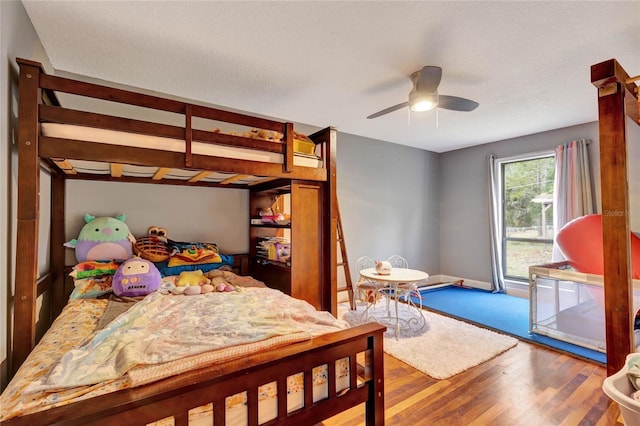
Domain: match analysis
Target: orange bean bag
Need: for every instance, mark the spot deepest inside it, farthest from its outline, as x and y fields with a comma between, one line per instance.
x=581, y=243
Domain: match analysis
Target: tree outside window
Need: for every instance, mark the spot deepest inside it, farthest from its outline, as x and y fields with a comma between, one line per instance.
x=527, y=203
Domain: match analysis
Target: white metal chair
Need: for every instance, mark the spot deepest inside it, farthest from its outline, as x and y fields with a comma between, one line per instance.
x=405, y=291
x=367, y=290
x=398, y=261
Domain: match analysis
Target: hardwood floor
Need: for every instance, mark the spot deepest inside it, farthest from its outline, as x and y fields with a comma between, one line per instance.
x=527, y=385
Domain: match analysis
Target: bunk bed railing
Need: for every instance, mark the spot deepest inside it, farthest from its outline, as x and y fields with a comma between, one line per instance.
x=53, y=85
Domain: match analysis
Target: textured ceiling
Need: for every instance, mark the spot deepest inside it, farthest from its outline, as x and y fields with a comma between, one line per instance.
x=334, y=63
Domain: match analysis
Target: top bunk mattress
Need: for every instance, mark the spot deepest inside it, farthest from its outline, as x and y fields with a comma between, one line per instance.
x=112, y=137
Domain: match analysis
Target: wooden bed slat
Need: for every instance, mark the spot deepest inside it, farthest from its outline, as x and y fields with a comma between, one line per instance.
x=65, y=166
x=232, y=179
x=199, y=176
x=116, y=170
x=162, y=171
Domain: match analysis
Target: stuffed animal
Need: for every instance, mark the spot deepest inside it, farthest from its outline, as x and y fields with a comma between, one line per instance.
x=191, y=283
x=192, y=278
x=103, y=238
x=136, y=277
x=153, y=246
x=383, y=267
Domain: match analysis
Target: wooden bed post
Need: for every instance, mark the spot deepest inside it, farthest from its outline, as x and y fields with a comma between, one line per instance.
x=56, y=255
x=331, y=293
x=330, y=212
x=374, y=410
x=610, y=79
x=25, y=291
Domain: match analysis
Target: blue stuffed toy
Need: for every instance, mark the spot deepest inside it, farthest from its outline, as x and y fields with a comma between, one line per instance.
x=103, y=238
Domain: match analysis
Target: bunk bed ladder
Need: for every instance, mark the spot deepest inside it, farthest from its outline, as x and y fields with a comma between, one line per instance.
x=344, y=263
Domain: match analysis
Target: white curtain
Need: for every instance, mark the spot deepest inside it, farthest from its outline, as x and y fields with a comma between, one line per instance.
x=495, y=212
x=572, y=193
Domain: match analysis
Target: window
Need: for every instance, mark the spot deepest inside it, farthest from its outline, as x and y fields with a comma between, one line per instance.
x=527, y=213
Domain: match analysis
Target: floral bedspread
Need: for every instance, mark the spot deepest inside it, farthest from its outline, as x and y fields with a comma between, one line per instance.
x=160, y=331
x=164, y=328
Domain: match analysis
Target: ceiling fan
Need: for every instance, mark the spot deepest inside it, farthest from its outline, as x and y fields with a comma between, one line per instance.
x=424, y=95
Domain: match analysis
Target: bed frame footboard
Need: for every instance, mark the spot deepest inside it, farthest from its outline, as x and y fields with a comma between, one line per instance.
x=174, y=397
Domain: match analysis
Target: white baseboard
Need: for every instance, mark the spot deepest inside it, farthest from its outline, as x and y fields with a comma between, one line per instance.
x=465, y=281
x=513, y=289
x=441, y=278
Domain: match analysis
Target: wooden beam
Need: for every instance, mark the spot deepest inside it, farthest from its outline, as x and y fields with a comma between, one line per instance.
x=56, y=254
x=328, y=138
x=24, y=303
x=288, y=147
x=610, y=80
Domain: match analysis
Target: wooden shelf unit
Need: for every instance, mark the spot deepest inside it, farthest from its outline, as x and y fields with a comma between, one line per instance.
x=302, y=276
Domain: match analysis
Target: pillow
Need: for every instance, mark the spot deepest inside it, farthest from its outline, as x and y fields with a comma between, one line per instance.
x=136, y=277
x=184, y=253
x=92, y=287
x=167, y=271
x=95, y=268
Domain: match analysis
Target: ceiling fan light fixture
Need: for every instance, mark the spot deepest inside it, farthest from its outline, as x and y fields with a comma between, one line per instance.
x=422, y=101
x=424, y=95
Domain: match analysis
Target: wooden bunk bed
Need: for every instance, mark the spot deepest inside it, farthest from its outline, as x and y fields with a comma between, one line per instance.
x=39, y=105
x=617, y=100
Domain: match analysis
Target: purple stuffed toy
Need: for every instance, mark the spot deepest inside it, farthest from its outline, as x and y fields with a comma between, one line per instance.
x=136, y=277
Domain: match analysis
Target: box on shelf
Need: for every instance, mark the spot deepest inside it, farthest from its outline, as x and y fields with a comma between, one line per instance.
x=304, y=147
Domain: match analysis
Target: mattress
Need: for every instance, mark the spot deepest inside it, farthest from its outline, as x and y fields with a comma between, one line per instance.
x=76, y=326
x=90, y=134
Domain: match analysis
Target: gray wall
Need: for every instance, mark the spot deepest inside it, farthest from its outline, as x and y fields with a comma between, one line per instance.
x=464, y=200
x=188, y=213
x=388, y=196
x=17, y=39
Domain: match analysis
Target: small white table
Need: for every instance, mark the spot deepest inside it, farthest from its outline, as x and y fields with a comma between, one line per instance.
x=390, y=285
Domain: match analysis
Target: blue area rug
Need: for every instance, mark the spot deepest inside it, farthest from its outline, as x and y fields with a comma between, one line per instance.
x=497, y=311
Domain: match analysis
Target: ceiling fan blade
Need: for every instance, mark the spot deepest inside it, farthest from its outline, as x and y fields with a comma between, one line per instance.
x=388, y=110
x=456, y=104
x=428, y=79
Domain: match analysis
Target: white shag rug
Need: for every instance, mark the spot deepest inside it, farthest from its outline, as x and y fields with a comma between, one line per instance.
x=442, y=348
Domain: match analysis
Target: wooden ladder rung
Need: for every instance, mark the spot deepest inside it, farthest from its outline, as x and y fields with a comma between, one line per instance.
x=345, y=264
